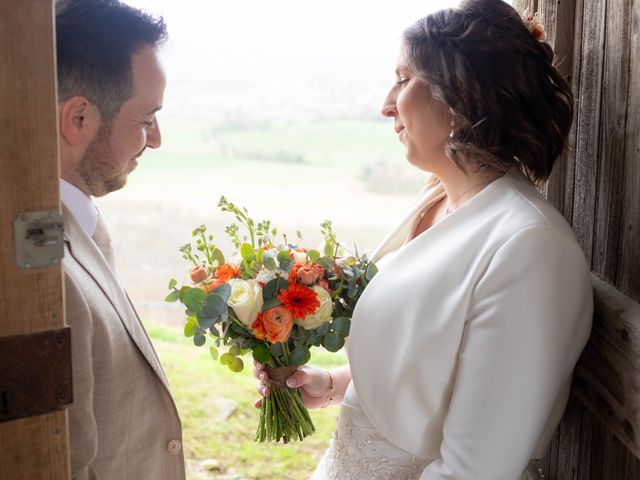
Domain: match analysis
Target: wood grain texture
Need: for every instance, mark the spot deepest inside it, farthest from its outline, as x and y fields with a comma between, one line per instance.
x=35, y=447
x=559, y=20
x=607, y=379
x=25, y=459
x=615, y=99
x=30, y=300
x=628, y=278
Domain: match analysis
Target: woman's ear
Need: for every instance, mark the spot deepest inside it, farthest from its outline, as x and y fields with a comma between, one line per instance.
x=79, y=121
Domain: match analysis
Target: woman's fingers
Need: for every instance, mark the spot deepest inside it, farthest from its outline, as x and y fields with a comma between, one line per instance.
x=258, y=403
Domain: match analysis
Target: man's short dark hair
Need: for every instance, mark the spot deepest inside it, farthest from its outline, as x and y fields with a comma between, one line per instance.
x=94, y=43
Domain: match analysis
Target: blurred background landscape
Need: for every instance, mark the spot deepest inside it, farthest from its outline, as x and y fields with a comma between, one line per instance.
x=275, y=105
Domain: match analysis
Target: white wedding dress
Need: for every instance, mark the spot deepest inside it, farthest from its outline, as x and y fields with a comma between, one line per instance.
x=358, y=452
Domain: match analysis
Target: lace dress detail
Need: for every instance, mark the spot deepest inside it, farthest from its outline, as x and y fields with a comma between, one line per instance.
x=360, y=453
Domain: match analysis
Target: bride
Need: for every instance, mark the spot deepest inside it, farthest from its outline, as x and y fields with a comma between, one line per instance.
x=462, y=347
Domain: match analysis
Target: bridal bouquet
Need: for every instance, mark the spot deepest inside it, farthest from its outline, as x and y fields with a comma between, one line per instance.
x=276, y=300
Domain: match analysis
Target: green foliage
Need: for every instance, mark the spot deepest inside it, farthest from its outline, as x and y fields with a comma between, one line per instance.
x=332, y=342
x=194, y=299
x=261, y=353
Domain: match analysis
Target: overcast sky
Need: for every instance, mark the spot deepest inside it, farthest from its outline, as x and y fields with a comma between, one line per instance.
x=240, y=55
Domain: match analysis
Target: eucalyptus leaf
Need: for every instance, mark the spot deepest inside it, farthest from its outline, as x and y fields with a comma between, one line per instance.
x=213, y=351
x=276, y=349
x=217, y=256
x=332, y=342
x=205, y=322
x=329, y=249
x=261, y=353
x=370, y=272
x=234, y=350
x=214, y=307
x=247, y=252
x=194, y=299
x=313, y=255
x=270, y=303
x=324, y=328
x=341, y=326
x=273, y=287
x=353, y=291
x=236, y=365
x=269, y=263
x=300, y=356
x=173, y=296
x=190, y=329
x=223, y=291
x=199, y=339
x=226, y=358
x=172, y=283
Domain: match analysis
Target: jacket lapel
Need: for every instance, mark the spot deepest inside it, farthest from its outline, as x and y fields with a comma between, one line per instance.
x=86, y=253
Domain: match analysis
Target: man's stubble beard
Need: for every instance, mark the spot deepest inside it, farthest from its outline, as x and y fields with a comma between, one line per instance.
x=96, y=167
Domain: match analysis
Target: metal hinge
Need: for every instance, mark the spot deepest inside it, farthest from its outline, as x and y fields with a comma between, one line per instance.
x=38, y=239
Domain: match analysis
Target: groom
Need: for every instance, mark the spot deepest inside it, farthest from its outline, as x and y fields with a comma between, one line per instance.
x=123, y=423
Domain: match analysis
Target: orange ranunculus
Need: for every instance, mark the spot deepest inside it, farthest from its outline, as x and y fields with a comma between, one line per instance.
x=305, y=274
x=199, y=273
x=275, y=324
x=226, y=272
x=299, y=300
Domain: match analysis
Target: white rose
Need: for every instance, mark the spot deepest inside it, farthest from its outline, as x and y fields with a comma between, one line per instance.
x=265, y=276
x=246, y=299
x=300, y=257
x=323, y=313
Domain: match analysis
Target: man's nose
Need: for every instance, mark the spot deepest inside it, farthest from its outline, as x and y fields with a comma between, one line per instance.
x=154, y=137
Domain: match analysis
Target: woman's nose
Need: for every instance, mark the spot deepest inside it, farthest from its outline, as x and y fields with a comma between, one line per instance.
x=389, y=105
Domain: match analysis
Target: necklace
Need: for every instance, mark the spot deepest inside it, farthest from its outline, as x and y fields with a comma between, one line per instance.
x=448, y=211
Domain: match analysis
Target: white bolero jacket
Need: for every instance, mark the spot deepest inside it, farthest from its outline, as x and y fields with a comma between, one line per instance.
x=463, y=345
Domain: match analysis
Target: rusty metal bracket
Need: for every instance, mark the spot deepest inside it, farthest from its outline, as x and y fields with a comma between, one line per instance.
x=35, y=373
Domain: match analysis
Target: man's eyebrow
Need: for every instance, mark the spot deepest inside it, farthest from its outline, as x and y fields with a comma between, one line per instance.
x=153, y=110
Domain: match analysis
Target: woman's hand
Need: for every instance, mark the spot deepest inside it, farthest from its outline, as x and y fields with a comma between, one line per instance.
x=316, y=385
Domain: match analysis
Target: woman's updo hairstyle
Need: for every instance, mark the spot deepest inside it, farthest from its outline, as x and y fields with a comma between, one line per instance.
x=509, y=103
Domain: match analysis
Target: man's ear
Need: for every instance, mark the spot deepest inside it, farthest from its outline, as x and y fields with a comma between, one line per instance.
x=79, y=121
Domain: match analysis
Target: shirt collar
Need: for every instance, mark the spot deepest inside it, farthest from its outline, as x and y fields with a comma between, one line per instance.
x=80, y=205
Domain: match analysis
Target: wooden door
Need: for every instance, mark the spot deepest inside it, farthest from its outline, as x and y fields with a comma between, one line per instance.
x=34, y=370
x=597, y=188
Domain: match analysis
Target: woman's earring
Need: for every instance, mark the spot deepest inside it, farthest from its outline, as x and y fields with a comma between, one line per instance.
x=452, y=124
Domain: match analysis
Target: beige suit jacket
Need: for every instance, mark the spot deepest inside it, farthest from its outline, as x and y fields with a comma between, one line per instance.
x=123, y=423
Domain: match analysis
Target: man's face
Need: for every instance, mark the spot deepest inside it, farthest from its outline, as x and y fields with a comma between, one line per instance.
x=113, y=152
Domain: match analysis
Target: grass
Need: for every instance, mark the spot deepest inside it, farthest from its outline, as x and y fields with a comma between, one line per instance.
x=219, y=418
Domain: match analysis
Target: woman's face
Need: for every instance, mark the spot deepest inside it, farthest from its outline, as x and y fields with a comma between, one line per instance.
x=421, y=121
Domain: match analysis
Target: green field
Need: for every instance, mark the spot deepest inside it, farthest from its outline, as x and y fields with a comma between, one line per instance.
x=219, y=417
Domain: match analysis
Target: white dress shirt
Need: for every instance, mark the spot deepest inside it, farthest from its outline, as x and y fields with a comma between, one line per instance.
x=80, y=205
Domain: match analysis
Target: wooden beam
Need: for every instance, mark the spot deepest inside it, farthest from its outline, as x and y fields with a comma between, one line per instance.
x=607, y=378
x=30, y=300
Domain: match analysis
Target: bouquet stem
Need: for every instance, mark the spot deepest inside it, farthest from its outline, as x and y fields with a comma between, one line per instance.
x=283, y=416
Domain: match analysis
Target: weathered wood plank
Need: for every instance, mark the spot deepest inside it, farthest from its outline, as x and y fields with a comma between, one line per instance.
x=588, y=102
x=628, y=279
x=607, y=378
x=26, y=459
x=30, y=301
x=559, y=20
x=612, y=159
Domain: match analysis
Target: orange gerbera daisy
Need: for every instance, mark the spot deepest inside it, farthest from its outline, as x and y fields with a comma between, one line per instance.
x=299, y=300
x=226, y=272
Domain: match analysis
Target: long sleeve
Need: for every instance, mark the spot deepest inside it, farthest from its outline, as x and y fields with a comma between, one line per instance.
x=82, y=423
x=530, y=318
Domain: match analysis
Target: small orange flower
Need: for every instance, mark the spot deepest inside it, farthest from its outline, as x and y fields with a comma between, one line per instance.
x=198, y=274
x=299, y=300
x=274, y=324
x=226, y=272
